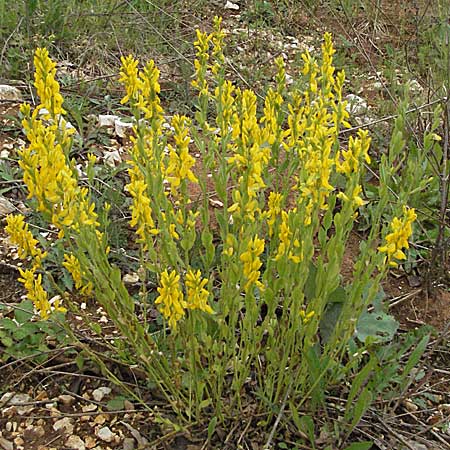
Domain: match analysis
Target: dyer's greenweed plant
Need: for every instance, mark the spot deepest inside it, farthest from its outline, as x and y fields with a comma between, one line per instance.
x=243, y=302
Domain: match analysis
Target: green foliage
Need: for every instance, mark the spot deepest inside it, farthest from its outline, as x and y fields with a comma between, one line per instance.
x=257, y=303
x=23, y=336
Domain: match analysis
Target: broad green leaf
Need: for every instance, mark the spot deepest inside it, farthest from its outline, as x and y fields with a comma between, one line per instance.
x=376, y=327
x=8, y=324
x=24, y=312
x=329, y=320
x=116, y=403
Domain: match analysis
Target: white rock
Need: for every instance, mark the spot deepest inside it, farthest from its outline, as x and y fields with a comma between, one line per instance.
x=15, y=400
x=111, y=158
x=231, y=5
x=99, y=393
x=415, y=86
x=6, y=445
x=356, y=105
x=10, y=93
x=128, y=444
x=122, y=128
x=75, y=442
x=105, y=434
x=130, y=278
x=66, y=423
x=107, y=120
x=6, y=207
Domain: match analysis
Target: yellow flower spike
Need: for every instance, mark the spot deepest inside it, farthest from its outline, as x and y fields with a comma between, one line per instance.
x=196, y=294
x=141, y=211
x=21, y=236
x=171, y=301
x=46, y=85
x=73, y=266
x=149, y=102
x=180, y=161
x=252, y=263
x=201, y=62
x=273, y=210
x=129, y=78
x=397, y=240
x=37, y=294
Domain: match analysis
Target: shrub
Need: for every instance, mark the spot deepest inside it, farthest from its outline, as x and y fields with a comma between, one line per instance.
x=252, y=302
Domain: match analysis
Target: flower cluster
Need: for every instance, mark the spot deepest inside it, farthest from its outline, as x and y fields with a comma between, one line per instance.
x=46, y=85
x=397, y=240
x=51, y=180
x=288, y=245
x=21, y=236
x=72, y=264
x=252, y=263
x=180, y=161
x=37, y=294
x=196, y=294
x=173, y=302
x=141, y=210
x=250, y=156
x=49, y=176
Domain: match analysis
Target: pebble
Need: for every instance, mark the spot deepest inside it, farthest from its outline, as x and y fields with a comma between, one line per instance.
x=105, y=434
x=100, y=393
x=66, y=423
x=75, y=442
x=66, y=399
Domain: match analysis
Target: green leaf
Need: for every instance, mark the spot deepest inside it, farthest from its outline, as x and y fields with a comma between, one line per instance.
x=310, y=285
x=116, y=403
x=376, y=327
x=358, y=382
x=415, y=357
x=329, y=320
x=79, y=361
x=25, y=330
x=96, y=328
x=365, y=445
x=24, y=312
x=6, y=341
x=212, y=427
x=361, y=406
x=8, y=324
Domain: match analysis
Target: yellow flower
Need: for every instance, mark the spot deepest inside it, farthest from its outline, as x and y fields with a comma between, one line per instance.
x=72, y=264
x=46, y=85
x=252, y=263
x=141, y=211
x=273, y=210
x=170, y=298
x=306, y=317
x=23, y=238
x=286, y=242
x=397, y=240
x=201, y=62
x=129, y=77
x=355, y=198
x=196, y=294
x=180, y=161
x=37, y=294
x=357, y=152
